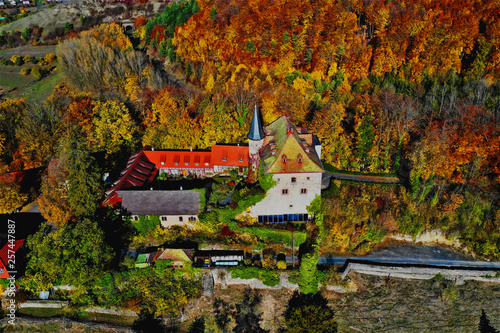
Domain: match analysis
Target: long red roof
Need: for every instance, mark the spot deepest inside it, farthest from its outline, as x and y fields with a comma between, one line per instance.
x=181, y=159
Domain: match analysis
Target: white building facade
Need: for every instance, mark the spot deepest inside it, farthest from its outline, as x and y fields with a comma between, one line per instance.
x=292, y=156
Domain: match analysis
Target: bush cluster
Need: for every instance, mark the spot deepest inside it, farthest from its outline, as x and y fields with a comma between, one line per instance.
x=268, y=277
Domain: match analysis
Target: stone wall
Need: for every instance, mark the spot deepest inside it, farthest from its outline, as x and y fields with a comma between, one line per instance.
x=422, y=273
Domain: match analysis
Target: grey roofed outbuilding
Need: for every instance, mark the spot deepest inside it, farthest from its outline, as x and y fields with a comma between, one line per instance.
x=160, y=202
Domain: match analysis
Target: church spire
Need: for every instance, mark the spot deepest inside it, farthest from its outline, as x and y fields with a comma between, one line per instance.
x=256, y=132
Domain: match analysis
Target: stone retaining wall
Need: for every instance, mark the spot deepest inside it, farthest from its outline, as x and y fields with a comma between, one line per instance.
x=421, y=273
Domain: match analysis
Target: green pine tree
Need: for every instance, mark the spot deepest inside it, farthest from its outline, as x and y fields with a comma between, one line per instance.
x=366, y=135
x=484, y=324
x=84, y=180
x=213, y=13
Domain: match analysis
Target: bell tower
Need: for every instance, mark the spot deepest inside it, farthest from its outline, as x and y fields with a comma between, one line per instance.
x=256, y=137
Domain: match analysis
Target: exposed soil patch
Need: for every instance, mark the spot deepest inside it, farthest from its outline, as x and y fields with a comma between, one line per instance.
x=415, y=306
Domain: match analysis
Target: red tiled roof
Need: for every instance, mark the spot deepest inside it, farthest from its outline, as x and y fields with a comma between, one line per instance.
x=13, y=176
x=4, y=256
x=230, y=155
x=3, y=271
x=180, y=159
x=139, y=171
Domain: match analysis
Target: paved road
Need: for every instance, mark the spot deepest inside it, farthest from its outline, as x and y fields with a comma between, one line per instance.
x=408, y=255
x=411, y=262
x=359, y=178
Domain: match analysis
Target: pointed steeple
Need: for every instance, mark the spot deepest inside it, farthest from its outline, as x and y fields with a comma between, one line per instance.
x=256, y=132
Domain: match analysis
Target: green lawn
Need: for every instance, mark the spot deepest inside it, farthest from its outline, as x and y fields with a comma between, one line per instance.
x=82, y=316
x=10, y=77
x=41, y=90
x=37, y=92
x=276, y=236
x=107, y=318
x=41, y=312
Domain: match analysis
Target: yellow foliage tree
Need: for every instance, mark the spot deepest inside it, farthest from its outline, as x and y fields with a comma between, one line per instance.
x=114, y=127
x=269, y=262
x=220, y=125
x=11, y=197
x=50, y=57
x=165, y=108
x=112, y=35
x=54, y=205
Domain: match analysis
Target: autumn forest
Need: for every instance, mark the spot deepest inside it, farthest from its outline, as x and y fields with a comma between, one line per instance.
x=391, y=88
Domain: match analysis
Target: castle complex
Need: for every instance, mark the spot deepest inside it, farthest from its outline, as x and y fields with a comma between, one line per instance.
x=289, y=153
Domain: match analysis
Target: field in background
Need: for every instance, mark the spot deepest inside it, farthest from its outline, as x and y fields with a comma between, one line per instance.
x=34, y=51
x=14, y=85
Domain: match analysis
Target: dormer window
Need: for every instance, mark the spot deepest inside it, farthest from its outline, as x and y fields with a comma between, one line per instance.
x=283, y=158
x=299, y=157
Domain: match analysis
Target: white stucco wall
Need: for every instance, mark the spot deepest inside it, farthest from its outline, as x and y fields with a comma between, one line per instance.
x=172, y=219
x=253, y=153
x=277, y=203
x=175, y=220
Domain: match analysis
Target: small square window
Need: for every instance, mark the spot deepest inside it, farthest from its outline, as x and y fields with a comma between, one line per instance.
x=291, y=206
x=284, y=191
x=163, y=218
x=308, y=178
x=180, y=218
x=294, y=180
x=303, y=191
